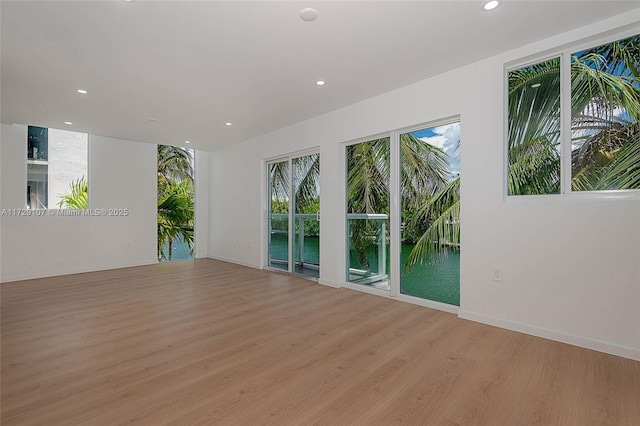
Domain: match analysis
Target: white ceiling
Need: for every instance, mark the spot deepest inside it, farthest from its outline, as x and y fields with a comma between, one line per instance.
x=193, y=66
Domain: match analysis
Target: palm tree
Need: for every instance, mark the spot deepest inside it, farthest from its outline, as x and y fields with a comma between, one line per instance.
x=175, y=216
x=306, y=180
x=77, y=197
x=605, y=107
x=424, y=174
x=174, y=164
x=175, y=198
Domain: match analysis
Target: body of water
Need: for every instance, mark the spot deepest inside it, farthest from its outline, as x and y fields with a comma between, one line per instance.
x=180, y=250
x=435, y=279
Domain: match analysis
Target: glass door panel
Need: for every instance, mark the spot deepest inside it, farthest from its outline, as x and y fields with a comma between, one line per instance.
x=430, y=213
x=278, y=215
x=368, y=213
x=306, y=214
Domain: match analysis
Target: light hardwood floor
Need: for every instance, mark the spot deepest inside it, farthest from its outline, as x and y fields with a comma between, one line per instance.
x=208, y=342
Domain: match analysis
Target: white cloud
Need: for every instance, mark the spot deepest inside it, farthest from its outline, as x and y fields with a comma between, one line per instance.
x=447, y=138
x=438, y=141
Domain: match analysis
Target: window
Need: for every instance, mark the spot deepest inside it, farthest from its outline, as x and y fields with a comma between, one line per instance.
x=534, y=129
x=56, y=169
x=593, y=146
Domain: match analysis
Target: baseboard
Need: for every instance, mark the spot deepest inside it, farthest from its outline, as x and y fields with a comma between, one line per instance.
x=431, y=304
x=72, y=271
x=596, y=345
x=236, y=261
x=329, y=283
x=367, y=289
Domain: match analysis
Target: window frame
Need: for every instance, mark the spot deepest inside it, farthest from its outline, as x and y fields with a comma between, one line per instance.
x=564, y=53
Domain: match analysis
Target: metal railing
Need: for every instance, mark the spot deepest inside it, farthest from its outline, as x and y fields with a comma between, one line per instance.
x=362, y=276
x=300, y=219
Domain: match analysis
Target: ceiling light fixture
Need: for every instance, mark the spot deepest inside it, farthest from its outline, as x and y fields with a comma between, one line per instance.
x=227, y=124
x=491, y=4
x=308, y=14
x=187, y=141
x=82, y=91
x=321, y=83
x=68, y=122
x=129, y=1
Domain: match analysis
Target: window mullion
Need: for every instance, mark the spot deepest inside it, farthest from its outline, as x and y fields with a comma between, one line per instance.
x=565, y=120
x=394, y=208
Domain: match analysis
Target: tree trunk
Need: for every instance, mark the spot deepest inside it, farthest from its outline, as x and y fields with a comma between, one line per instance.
x=170, y=254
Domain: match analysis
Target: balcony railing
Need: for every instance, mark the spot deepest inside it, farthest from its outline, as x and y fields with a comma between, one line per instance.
x=299, y=233
x=370, y=247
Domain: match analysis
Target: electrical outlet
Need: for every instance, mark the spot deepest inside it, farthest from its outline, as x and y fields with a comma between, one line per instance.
x=497, y=273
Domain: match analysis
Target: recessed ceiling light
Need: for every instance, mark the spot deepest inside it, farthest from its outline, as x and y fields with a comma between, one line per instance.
x=308, y=14
x=491, y=4
x=129, y=1
x=84, y=92
x=187, y=141
x=227, y=124
x=68, y=122
x=321, y=82
x=536, y=85
x=152, y=119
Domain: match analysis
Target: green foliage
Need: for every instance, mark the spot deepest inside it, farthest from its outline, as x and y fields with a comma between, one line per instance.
x=368, y=177
x=306, y=184
x=311, y=226
x=77, y=197
x=425, y=173
x=175, y=164
x=442, y=214
x=605, y=107
x=175, y=198
x=534, y=129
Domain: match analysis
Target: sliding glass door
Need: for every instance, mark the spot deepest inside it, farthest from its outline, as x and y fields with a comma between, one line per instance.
x=368, y=213
x=403, y=214
x=294, y=214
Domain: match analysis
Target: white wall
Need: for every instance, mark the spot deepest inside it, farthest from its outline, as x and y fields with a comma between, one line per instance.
x=571, y=263
x=122, y=174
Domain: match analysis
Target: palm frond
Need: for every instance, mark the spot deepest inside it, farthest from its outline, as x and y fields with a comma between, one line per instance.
x=78, y=197
x=442, y=212
x=306, y=178
x=425, y=168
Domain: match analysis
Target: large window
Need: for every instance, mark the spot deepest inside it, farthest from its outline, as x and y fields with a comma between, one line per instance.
x=56, y=169
x=573, y=121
